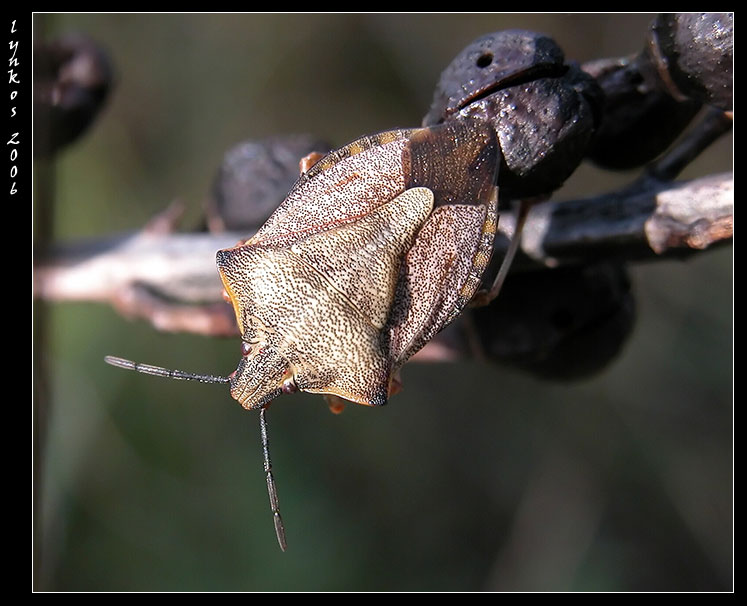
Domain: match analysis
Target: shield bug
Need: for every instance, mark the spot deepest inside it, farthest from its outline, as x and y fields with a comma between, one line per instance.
x=376, y=248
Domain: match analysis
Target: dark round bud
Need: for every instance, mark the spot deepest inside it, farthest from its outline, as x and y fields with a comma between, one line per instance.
x=544, y=127
x=254, y=179
x=562, y=324
x=492, y=62
x=639, y=119
x=542, y=109
x=694, y=54
x=72, y=79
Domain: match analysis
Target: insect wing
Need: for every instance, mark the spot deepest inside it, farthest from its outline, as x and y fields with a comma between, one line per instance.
x=443, y=269
x=339, y=189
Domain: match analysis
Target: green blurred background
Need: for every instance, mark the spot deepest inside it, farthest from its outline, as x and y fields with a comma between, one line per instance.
x=475, y=477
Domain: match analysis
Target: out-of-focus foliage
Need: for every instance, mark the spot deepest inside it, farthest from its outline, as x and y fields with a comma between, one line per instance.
x=474, y=477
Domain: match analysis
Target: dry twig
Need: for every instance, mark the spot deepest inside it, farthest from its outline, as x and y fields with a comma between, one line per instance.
x=170, y=279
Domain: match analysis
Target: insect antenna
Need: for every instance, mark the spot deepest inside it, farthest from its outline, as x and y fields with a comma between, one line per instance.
x=148, y=369
x=158, y=371
x=271, y=488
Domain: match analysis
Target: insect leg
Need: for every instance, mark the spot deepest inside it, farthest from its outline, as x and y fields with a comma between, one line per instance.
x=484, y=297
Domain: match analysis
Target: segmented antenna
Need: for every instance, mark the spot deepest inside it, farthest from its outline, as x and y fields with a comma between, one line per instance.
x=271, y=488
x=158, y=371
x=148, y=369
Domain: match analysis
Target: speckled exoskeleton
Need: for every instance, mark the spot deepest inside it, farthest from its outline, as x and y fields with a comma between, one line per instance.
x=377, y=247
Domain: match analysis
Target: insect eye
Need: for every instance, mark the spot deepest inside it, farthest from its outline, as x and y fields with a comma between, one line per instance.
x=289, y=386
x=246, y=349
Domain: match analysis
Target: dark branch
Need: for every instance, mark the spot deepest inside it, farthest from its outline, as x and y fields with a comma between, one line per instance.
x=170, y=279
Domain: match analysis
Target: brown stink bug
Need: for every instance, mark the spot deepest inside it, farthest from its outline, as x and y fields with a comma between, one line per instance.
x=377, y=247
